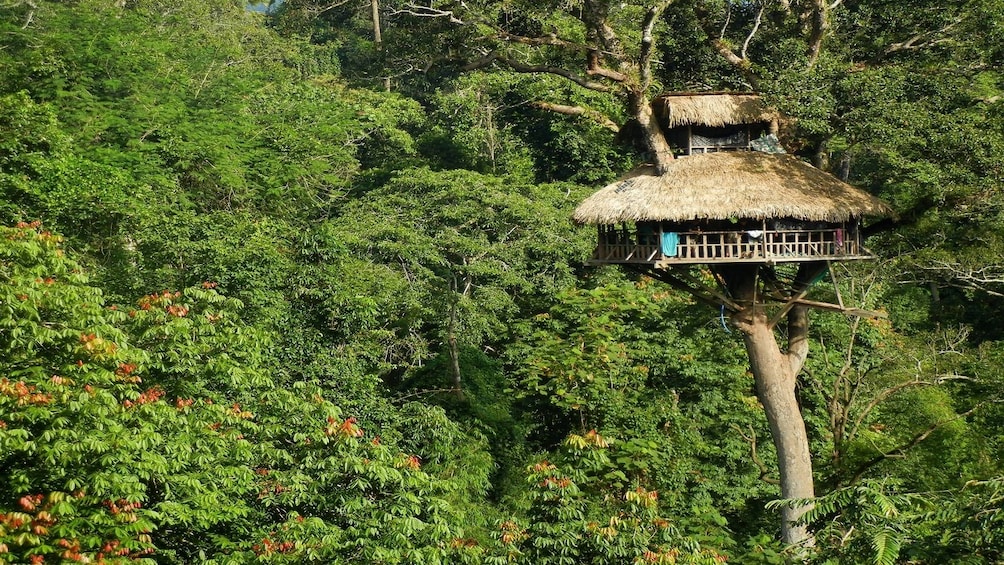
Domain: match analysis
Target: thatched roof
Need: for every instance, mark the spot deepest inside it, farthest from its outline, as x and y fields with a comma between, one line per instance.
x=719, y=186
x=715, y=110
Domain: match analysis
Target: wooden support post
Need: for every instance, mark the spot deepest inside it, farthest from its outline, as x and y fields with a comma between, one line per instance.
x=836, y=287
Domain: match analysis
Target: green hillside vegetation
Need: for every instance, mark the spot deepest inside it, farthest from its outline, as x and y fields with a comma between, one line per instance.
x=273, y=290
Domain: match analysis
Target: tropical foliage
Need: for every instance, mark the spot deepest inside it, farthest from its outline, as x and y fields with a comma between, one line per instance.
x=275, y=289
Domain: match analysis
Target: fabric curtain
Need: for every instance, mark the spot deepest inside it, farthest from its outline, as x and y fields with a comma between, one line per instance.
x=669, y=242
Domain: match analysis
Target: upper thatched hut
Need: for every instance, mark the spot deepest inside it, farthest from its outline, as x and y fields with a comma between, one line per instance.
x=711, y=109
x=704, y=123
x=731, y=196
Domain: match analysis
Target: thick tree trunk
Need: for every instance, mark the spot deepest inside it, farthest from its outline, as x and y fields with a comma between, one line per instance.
x=655, y=140
x=775, y=373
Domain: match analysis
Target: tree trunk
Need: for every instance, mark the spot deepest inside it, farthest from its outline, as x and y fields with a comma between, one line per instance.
x=377, y=35
x=458, y=388
x=775, y=373
x=454, y=350
x=655, y=140
x=819, y=24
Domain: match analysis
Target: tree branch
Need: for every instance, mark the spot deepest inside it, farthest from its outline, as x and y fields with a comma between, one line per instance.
x=549, y=40
x=428, y=12
x=886, y=393
x=754, y=456
x=985, y=279
x=899, y=451
x=920, y=40
x=756, y=26
x=611, y=74
x=32, y=7
x=728, y=20
x=840, y=411
x=579, y=111
x=725, y=51
x=721, y=46
x=531, y=69
x=594, y=15
x=332, y=6
x=647, y=41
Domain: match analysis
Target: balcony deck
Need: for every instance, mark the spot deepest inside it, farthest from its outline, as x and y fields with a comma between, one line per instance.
x=657, y=249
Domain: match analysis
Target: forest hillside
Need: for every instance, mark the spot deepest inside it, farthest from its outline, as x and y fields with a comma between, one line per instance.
x=299, y=284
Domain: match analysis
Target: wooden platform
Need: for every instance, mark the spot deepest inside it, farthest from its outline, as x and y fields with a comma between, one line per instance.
x=624, y=246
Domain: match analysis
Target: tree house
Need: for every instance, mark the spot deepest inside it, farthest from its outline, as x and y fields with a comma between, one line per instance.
x=731, y=196
x=764, y=226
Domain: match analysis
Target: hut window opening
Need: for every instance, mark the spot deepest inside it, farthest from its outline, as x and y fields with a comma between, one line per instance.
x=705, y=139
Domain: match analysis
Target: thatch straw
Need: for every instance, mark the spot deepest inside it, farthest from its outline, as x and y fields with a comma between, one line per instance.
x=715, y=110
x=720, y=186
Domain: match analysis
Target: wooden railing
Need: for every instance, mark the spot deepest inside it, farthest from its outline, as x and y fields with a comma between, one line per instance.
x=620, y=245
x=627, y=253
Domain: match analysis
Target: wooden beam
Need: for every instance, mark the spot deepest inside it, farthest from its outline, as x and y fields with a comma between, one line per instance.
x=719, y=295
x=836, y=287
x=787, y=307
x=716, y=299
x=664, y=276
x=842, y=309
x=807, y=275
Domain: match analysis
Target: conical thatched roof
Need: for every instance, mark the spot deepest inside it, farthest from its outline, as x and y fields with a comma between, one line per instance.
x=719, y=186
x=715, y=110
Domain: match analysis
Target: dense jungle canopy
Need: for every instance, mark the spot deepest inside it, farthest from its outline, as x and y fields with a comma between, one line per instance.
x=299, y=284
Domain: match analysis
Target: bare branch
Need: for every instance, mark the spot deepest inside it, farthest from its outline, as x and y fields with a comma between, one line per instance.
x=32, y=6
x=647, y=41
x=319, y=11
x=920, y=40
x=983, y=279
x=754, y=456
x=412, y=9
x=728, y=19
x=425, y=392
x=902, y=449
x=482, y=63
x=886, y=393
x=756, y=26
x=839, y=404
x=550, y=40
x=538, y=69
x=743, y=65
x=579, y=111
x=607, y=73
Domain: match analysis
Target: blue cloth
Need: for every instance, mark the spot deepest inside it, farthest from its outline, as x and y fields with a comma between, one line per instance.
x=669, y=242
